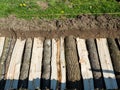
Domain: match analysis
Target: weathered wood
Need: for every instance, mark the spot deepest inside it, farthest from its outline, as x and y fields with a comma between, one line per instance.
x=2, y=39
x=46, y=64
x=23, y=80
x=12, y=44
x=106, y=64
x=85, y=65
x=115, y=57
x=95, y=64
x=36, y=64
x=54, y=74
x=3, y=60
x=72, y=64
x=14, y=67
x=63, y=64
x=58, y=64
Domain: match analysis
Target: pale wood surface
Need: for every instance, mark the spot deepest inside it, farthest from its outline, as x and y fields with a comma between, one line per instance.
x=106, y=64
x=2, y=39
x=3, y=61
x=36, y=62
x=14, y=67
x=63, y=64
x=85, y=65
x=54, y=74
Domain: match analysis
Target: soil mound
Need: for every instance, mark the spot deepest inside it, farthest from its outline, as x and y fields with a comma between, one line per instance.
x=85, y=26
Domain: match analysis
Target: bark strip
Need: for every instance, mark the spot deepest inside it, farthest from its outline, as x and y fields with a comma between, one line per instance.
x=72, y=65
x=23, y=82
x=46, y=64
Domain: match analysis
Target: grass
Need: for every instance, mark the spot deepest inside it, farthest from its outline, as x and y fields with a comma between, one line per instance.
x=56, y=8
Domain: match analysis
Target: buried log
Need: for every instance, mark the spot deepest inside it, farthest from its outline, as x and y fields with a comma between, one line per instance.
x=115, y=56
x=46, y=64
x=95, y=65
x=25, y=65
x=85, y=65
x=3, y=60
x=72, y=65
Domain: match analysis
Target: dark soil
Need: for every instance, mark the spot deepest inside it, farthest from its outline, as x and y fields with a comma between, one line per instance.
x=84, y=26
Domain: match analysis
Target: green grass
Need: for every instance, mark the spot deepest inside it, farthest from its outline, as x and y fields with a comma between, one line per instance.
x=57, y=8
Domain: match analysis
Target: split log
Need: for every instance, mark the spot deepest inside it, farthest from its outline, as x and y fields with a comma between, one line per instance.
x=12, y=44
x=3, y=61
x=23, y=82
x=63, y=64
x=115, y=57
x=14, y=67
x=85, y=65
x=58, y=64
x=36, y=64
x=106, y=64
x=46, y=64
x=54, y=74
x=72, y=65
x=2, y=39
x=95, y=64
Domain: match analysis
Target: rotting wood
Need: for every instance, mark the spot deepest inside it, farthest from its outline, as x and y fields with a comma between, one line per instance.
x=95, y=64
x=46, y=64
x=14, y=67
x=2, y=39
x=23, y=79
x=85, y=65
x=115, y=57
x=36, y=64
x=54, y=74
x=106, y=64
x=72, y=65
x=3, y=60
x=63, y=64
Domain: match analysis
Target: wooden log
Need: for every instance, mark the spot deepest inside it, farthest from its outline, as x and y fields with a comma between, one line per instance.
x=46, y=64
x=85, y=65
x=23, y=82
x=95, y=64
x=14, y=67
x=3, y=61
x=12, y=44
x=106, y=64
x=72, y=64
x=2, y=39
x=58, y=64
x=36, y=64
x=54, y=74
x=115, y=57
x=63, y=64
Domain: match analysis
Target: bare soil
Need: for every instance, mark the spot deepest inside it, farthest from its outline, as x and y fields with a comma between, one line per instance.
x=84, y=26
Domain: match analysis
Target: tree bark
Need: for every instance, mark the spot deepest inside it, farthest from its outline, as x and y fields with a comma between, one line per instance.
x=72, y=65
x=95, y=64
